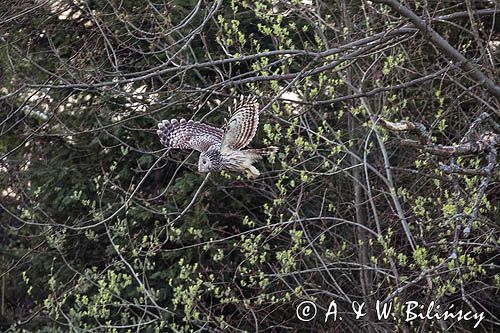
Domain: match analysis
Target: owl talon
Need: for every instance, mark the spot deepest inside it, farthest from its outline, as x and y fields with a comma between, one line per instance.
x=253, y=172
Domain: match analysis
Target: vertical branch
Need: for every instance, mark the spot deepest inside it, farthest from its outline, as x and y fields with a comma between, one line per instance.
x=2, y=306
x=365, y=277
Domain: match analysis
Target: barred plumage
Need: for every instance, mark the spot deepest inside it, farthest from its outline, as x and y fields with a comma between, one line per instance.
x=220, y=148
x=190, y=134
x=242, y=125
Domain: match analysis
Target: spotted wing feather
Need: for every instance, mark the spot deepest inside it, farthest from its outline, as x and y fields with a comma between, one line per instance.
x=190, y=134
x=242, y=125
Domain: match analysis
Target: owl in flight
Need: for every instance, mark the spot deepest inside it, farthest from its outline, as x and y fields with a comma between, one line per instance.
x=220, y=148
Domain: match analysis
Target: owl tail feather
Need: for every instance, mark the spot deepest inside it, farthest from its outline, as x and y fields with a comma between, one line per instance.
x=259, y=153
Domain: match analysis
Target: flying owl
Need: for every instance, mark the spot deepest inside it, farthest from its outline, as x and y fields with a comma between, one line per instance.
x=220, y=148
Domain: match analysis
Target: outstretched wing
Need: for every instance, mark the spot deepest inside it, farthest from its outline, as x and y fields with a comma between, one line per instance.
x=242, y=125
x=190, y=134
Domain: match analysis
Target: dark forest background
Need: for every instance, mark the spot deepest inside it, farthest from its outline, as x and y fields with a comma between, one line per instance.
x=385, y=186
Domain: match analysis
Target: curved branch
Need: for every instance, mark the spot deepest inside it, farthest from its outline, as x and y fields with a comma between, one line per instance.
x=449, y=51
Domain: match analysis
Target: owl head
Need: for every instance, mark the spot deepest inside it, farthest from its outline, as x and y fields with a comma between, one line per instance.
x=210, y=160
